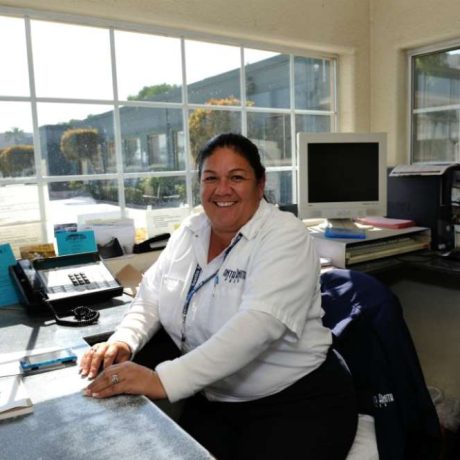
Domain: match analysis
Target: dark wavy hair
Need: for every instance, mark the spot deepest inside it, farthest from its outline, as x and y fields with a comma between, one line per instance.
x=239, y=144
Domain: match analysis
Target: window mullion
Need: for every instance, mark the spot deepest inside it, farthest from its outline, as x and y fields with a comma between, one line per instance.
x=333, y=76
x=42, y=187
x=185, y=116
x=294, y=158
x=244, y=112
x=117, y=128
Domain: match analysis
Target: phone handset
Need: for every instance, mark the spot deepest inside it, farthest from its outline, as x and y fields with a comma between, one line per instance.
x=28, y=282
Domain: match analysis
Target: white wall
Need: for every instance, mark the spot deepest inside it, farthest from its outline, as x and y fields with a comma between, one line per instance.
x=331, y=26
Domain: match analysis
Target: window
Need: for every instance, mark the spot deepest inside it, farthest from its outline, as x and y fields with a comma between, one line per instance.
x=110, y=119
x=435, y=105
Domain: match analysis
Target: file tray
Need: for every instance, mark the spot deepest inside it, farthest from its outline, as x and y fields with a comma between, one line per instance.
x=380, y=243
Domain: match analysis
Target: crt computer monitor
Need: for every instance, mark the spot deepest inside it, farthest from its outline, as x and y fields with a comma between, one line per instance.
x=341, y=175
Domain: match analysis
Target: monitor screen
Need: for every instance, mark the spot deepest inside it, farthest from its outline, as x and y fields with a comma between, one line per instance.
x=341, y=175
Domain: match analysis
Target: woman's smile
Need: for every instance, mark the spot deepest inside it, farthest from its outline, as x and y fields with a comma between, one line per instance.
x=224, y=204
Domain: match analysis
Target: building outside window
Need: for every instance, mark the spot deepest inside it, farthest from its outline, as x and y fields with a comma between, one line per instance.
x=435, y=105
x=111, y=119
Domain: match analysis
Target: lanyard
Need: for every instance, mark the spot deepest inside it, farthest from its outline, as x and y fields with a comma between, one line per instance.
x=194, y=287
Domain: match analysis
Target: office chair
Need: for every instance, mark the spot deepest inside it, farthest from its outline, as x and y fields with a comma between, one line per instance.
x=371, y=335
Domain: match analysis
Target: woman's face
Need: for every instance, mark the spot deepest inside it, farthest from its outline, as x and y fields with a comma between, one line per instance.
x=230, y=193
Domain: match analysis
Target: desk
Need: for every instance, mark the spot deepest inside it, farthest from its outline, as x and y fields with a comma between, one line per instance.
x=379, y=243
x=67, y=425
x=424, y=266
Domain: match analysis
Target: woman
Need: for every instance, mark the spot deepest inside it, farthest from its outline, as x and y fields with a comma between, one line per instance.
x=237, y=289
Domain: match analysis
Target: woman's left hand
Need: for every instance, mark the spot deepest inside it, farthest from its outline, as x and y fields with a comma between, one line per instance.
x=127, y=378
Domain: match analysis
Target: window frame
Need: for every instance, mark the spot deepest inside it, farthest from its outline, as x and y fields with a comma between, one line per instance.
x=42, y=180
x=411, y=55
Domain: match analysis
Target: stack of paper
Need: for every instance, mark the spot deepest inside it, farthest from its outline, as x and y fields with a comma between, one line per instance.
x=160, y=221
x=386, y=222
x=107, y=227
x=14, y=399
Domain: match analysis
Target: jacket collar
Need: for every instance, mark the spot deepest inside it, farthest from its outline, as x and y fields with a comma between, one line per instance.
x=200, y=224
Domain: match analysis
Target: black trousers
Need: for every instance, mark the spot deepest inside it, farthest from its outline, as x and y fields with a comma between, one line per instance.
x=313, y=419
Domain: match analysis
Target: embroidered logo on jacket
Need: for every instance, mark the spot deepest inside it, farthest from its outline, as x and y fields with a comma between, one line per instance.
x=383, y=400
x=234, y=276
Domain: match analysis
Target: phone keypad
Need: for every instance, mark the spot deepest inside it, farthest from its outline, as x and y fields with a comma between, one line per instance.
x=78, y=279
x=64, y=282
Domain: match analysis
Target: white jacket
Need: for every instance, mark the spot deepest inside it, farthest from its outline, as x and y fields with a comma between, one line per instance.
x=251, y=331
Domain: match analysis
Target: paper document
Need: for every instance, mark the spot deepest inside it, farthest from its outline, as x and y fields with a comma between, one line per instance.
x=14, y=399
x=164, y=220
x=21, y=235
x=75, y=242
x=109, y=226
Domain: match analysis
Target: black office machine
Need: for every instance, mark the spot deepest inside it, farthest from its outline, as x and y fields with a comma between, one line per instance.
x=429, y=194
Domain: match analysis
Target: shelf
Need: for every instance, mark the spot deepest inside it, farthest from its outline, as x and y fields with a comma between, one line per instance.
x=379, y=244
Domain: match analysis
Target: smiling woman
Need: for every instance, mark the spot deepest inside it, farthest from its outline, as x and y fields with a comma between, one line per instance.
x=237, y=290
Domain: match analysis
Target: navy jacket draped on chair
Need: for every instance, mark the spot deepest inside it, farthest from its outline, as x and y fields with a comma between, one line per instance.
x=372, y=336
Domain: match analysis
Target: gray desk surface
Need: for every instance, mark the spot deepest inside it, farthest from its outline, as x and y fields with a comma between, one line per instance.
x=423, y=266
x=67, y=425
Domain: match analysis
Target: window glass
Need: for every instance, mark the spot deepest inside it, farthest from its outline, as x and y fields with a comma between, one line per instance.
x=278, y=188
x=76, y=138
x=14, y=76
x=436, y=136
x=18, y=204
x=267, y=79
x=71, y=61
x=152, y=139
x=67, y=200
x=213, y=73
x=196, y=190
x=204, y=124
x=436, y=106
x=436, y=79
x=312, y=83
x=312, y=123
x=16, y=140
x=148, y=67
x=156, y=192
x=271, y=132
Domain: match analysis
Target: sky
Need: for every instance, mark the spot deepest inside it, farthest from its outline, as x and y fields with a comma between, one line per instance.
x=72, y=61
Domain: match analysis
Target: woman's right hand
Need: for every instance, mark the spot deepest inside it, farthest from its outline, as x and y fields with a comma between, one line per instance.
x=102, y=355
